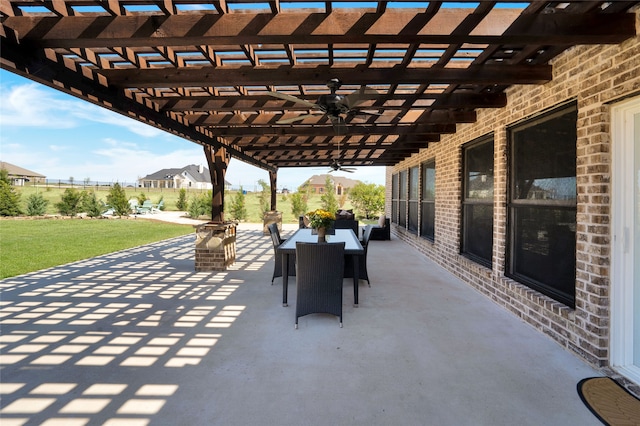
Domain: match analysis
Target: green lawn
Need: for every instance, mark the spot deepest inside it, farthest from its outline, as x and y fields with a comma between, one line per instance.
x=30, y=245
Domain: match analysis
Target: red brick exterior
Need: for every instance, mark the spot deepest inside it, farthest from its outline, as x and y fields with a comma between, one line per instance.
x=596, y=77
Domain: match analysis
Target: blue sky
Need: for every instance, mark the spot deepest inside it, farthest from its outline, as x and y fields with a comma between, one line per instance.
x=60, y=136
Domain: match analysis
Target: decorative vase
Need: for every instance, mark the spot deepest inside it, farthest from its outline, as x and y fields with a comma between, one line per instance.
x=322, y=233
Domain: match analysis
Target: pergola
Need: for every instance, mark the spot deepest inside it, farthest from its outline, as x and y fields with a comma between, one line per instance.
x=207, y=70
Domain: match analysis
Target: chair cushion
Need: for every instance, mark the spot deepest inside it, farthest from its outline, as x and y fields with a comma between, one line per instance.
x=381, y=221
x=345, y=214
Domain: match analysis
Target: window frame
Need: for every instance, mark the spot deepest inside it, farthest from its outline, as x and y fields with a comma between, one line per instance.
x=427, y=222
x=403, y=187
x=468, y=205
x=395, y=178
x=517, y=207
x=413, y=199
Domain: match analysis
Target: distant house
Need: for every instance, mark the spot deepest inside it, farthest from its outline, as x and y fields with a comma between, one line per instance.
x=340, y=183
x=189, y=177
x=20, y=176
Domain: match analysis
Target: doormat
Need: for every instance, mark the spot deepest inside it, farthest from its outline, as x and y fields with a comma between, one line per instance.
x=610, y=402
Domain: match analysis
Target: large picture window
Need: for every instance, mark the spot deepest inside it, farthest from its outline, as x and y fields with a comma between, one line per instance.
x=542, y=204
x=477, y=201
x=414, y=201
x=428, y=202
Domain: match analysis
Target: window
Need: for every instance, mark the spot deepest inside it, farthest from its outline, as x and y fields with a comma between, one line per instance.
x=402, y=199
x=394, y=198
x=477, y=201
x=414, y=201
x=542, y=204
x=428, y=202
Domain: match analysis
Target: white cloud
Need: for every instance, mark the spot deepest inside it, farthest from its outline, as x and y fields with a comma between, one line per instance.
x=33, y=105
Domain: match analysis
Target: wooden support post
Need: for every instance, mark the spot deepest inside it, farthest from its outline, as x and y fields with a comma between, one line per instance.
x=218, y=161
x=273, y=177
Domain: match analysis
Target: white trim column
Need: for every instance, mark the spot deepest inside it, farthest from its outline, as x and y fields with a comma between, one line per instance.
x=625, y=241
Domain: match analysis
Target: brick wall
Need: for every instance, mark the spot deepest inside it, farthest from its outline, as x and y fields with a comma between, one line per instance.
x=596, y=77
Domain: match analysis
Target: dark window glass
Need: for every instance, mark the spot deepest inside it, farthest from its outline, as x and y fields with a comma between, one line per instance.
x=542, y=205
x=414, y=192
x=477, y=203
x=402, y=196
x=427, y=213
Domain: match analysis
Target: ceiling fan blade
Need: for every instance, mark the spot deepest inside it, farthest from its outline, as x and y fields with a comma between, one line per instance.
x=356, y=98
x=286, y=97
x=348, y=170
x=294, y=119
x=355, y=112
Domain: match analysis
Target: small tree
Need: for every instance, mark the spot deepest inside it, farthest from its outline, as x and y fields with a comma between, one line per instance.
x=328, y=199
x=200, y=205
x=298, y=204
x=117, y=200
x=36, y=205
x=264, y=197
x=92, y=206
x=9, y=198
x=238, y=208
x=181, y=204
x=70, y=202
x=367, y=198
x=305, y=190
x=342, y=199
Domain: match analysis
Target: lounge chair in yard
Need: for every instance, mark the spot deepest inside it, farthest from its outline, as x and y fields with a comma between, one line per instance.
x=145, y=207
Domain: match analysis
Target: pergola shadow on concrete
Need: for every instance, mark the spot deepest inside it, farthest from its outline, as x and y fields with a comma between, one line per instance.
x=138, y=337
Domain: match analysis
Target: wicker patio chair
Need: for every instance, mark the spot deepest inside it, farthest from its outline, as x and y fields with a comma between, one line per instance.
x=319, y=279
x=362, y=259
x=277, y=267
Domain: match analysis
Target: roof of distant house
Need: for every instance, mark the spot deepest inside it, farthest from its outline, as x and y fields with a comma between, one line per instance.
x=18, y=171
x=192, y=170
x=339, y=180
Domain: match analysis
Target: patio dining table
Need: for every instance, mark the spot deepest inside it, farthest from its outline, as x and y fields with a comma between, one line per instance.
x=352, y=247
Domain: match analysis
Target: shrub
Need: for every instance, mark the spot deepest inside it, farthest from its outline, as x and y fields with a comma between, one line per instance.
x=264, y=198
x=201, y=205
x=298, y=204
x=142, y=198
x=181, y=204
x=71, y=202
x=36, y=205
x=92, y=206
x=367, y=198
x=328, y=199
x=9, y=198
x=238, y=208
x=117, y=200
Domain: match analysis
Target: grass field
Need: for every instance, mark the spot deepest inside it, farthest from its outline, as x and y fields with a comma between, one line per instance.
x=170, y=197
x=30, y=245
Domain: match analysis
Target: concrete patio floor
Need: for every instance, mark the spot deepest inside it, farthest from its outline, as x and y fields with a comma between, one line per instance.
x=138, y=338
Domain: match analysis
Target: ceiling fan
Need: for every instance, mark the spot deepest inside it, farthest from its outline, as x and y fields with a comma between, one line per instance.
x=334, y=105
x=336, y=166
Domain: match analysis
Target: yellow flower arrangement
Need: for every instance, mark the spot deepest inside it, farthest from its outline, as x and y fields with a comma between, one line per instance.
x=320, y=218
